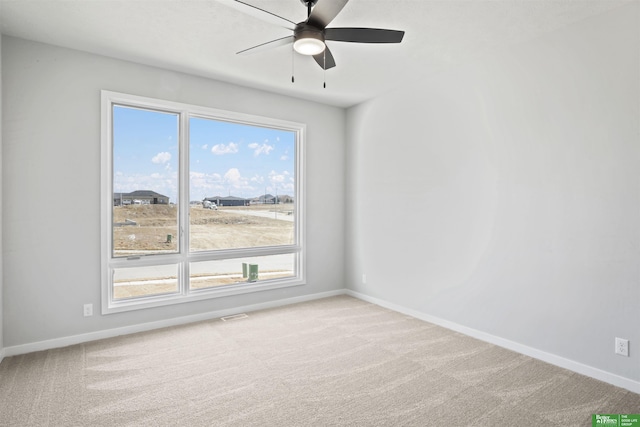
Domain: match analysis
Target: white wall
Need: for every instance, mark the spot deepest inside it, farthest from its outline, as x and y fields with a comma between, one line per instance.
x=52, y=186
x=504, y=196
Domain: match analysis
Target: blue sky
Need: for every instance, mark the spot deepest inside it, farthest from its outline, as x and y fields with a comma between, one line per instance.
x=225, y=158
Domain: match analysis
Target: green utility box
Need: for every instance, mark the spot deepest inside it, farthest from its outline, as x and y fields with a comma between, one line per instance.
x=253, y=272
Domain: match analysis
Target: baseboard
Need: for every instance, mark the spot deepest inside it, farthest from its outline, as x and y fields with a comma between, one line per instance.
x=143, y=327
x=553, y=359
x=1, y=354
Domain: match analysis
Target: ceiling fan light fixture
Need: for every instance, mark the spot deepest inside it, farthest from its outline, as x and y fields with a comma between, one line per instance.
x=309, y=42
x=308, y=46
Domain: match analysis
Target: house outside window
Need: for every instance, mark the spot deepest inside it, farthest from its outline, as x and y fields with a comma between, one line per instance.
x=197, y=203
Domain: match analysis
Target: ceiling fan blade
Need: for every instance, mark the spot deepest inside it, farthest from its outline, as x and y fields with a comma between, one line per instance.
x=262, y=14
x=325, y=11
x=325, y=59
x=363, y=35
x=268, y=45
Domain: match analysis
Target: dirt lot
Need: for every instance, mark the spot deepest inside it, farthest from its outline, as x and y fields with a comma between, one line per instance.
x=210, y=229
x=149, y=225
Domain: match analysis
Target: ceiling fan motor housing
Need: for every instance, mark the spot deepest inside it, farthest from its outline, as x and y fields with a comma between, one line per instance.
x=307, y=35
x=306, y=31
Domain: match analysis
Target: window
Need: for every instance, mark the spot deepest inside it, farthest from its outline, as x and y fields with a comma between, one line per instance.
x=197, y=203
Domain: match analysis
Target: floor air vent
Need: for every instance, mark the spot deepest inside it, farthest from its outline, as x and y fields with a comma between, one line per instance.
x=234, y=317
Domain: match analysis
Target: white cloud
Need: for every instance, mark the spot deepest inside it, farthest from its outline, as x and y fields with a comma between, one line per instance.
x=221, y=149
x=161, y=158
x=281, y=182
x=234, y=177
x=237, y=184
x=205, y=185
x=275, y=177
x=261, y=149
x=205, y=146
x=257, y=179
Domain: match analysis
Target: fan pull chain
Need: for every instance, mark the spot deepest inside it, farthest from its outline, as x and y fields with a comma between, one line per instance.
x=324, y=68
x=293, y=80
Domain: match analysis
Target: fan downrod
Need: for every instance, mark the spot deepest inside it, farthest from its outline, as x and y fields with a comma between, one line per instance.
x=309, y=4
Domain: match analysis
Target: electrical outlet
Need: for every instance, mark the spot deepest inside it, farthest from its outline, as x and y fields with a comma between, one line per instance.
x=364, y=278
x=622, y=347
x=88, y=310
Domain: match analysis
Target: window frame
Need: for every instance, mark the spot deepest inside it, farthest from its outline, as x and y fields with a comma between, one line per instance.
x=183, y=257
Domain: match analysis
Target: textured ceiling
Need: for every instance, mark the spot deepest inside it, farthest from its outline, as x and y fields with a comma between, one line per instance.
x=201, y=37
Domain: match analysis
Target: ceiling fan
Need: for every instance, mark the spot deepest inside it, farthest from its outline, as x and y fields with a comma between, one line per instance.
x=309, y=36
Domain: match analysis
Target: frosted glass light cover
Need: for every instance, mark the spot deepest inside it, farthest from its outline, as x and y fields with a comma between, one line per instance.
x=308, y=46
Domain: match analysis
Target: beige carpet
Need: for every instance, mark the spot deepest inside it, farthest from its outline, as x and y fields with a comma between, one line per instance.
x=336, y=361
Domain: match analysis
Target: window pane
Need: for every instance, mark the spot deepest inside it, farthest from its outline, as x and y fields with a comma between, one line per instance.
x=209, y=274
x=138, y=282
x=242, y=185
x=145, y=181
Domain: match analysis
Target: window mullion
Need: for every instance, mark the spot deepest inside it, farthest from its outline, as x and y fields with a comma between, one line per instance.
x=183, y=180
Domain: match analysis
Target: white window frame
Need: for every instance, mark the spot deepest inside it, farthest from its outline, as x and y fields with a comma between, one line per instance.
x=183, y=257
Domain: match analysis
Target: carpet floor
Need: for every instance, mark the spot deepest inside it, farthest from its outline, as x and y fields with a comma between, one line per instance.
x=331, y=362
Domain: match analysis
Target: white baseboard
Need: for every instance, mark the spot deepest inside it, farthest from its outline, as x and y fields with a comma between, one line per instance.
x=553, y=359
x=143, y=327
x=1, y=354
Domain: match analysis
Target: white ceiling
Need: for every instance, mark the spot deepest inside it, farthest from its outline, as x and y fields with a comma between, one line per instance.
x=201, y=37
